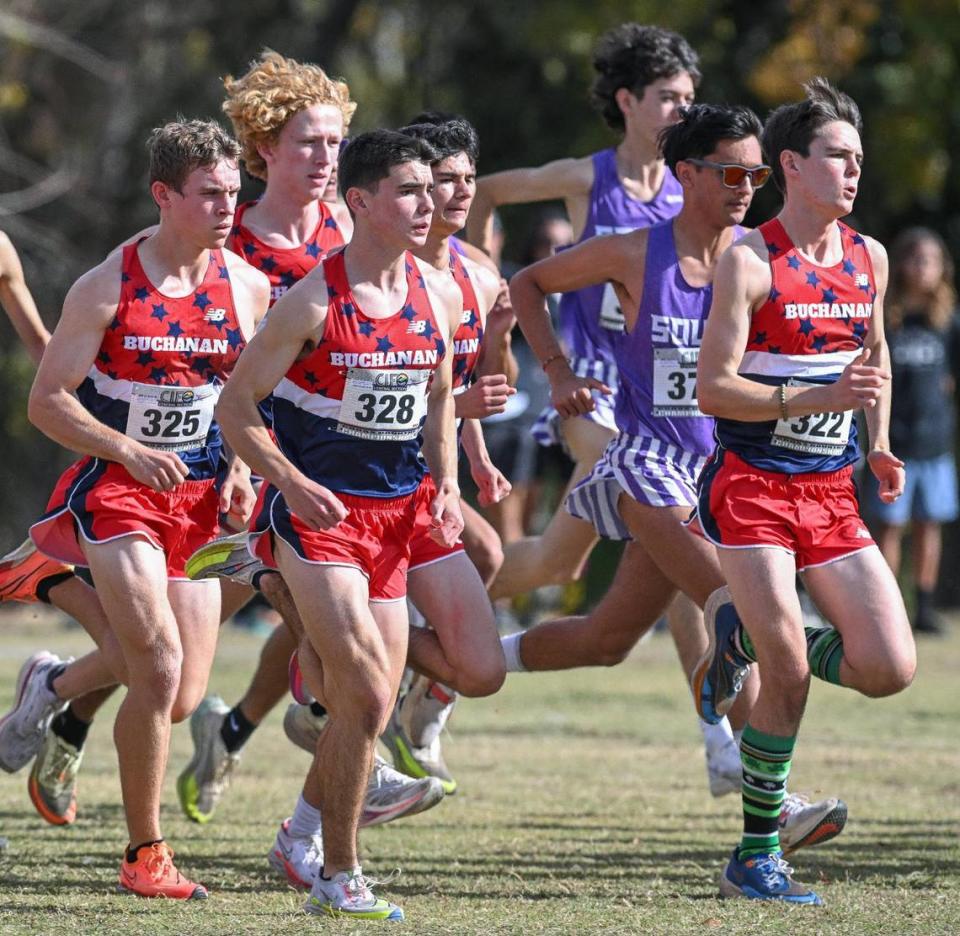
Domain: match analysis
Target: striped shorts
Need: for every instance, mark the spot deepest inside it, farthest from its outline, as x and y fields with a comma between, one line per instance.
x=651, y=471
x=546, y=430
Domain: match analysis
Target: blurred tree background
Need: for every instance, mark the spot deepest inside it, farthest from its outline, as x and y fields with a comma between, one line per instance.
x=81, y=84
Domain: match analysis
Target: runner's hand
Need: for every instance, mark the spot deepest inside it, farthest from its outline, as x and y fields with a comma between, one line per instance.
x=860, y=384
x=492, y=483
x=889, y=471
x=501, y=317
x=162, y=471
x=446, y=519
x=237, y=498
x=487, y=396
x=318, y=507
x=573, y=396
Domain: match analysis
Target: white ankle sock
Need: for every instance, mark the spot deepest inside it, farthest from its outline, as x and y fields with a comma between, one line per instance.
x=305, y=820
x=715, y=736
x=511, y=650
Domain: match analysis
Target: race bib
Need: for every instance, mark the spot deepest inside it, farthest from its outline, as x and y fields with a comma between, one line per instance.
x=175, y=419
x=819, y=434
x=611, y=315
x=383, y=405
x=675, y=382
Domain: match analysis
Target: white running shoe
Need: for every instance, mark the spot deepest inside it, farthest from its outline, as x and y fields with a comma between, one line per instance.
x=425, y=710
x=803, y=823
x=299, y=860
x=391, y=794
x=206, y=777
x=349, y=895
x=302, y=727
x=23, y=728
x=724, y=768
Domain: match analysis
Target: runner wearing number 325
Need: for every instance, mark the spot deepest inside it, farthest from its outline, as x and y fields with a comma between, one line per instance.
x=130, y=379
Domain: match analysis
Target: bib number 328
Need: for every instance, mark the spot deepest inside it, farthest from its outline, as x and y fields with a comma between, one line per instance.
x=383, y=405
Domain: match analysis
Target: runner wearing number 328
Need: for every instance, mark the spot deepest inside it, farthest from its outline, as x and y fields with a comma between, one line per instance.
x=353, y=353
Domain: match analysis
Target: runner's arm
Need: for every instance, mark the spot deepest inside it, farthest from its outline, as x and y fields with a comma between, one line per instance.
x=741, y=283
x=496, y=315
x=492, y=484
x=18, y=303
x=296, y=320
x=439, y=429
x=569, y=179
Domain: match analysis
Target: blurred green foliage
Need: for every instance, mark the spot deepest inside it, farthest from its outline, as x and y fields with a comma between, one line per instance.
x=82, y=84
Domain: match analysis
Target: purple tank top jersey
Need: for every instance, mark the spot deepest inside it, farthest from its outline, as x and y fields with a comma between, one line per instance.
x=657, y=360
x=590, y=319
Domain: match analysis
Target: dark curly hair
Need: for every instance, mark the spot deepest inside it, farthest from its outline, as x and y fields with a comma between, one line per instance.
x=633, y=56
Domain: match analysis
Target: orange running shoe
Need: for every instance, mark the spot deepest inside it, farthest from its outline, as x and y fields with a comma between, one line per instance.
x=22, y=571
x=154, y=874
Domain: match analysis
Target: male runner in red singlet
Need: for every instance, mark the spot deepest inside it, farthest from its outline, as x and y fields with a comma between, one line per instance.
x=793, y=346
x=352, y=355
x=131, y=378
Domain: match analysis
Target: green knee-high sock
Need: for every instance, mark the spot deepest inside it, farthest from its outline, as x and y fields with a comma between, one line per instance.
x=766, y=766
x=824, y=651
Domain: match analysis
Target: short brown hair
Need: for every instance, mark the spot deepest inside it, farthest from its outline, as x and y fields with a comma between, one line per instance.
x=179, y=147
x=793, y=126
x=273, y=90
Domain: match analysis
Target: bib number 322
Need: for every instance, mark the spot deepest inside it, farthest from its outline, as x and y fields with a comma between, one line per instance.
x=817, y=434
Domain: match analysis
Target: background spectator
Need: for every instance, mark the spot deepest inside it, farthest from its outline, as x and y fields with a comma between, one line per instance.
x=924, y=336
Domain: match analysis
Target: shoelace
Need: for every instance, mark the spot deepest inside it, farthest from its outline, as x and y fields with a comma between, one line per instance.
x=794, y=802
x=157, y=862
x=773, y=869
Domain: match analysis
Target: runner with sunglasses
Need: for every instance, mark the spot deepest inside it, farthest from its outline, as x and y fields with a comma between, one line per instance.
x=643, y=487
x=793, y=346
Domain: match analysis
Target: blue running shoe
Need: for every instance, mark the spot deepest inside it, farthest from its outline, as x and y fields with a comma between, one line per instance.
x=764, y=877
x=719, y=675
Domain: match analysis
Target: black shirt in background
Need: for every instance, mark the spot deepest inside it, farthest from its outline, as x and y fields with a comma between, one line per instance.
x=925, y=365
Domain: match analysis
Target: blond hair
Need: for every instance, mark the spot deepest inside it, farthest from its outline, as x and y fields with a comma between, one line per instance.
x=273, y=90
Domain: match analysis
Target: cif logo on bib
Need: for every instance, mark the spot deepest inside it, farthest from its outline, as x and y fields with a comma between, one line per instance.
x=176, y=397
x=391, y=381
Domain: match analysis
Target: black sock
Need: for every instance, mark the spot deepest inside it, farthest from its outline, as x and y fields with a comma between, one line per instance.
x=236, y=729
x=70, y=728
x=317, y=709
x=55, y=673
x=924, y=603
x=132, y=852
x=45, y=586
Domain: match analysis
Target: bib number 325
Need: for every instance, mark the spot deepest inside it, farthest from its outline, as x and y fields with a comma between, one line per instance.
x=175, y=419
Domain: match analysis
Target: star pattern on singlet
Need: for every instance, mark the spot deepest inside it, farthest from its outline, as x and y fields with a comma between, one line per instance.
x=366, y=328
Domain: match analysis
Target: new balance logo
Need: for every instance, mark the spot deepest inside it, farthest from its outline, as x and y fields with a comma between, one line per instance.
x=862, y=534
x=417, y=328
x=215, y=315
x=467, y=315
x=861, y=279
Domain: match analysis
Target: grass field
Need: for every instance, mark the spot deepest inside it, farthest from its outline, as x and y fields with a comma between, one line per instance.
x=583, y=809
